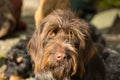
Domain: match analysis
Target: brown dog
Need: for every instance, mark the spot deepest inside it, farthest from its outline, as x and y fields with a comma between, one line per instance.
x=7, y=20
x=17, y=11
x=62, y=49
x=10, y=17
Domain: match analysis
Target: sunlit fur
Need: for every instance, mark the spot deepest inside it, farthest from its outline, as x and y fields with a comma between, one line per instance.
x=61, y=30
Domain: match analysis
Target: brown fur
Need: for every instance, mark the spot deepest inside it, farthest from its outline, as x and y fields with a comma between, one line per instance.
x=7, y=20
x=17, y=11
x=10, y=17
x=61, y=32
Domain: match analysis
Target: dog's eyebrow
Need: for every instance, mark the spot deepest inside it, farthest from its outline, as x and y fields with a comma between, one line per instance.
x=51, y=27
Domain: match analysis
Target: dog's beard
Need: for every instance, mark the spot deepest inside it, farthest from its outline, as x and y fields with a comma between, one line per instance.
x=56, y=70
x=63, y=69
x=49, y=76
x=44, y=76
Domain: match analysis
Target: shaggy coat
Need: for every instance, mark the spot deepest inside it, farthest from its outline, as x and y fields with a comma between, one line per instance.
x=62, y=49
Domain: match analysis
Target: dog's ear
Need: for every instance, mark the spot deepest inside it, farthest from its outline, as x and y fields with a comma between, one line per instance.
x=89, y=52
x=35, y=46
x=32, y=50
x=85, y=45
x=90, y=48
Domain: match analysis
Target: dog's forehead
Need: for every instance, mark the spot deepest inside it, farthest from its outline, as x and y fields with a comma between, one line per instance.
x=60, y=17
x=64, y=24
x=51, y=19
x=57, y=24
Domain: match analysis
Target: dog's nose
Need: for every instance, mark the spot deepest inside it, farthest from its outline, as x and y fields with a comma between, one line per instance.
x=60, y=56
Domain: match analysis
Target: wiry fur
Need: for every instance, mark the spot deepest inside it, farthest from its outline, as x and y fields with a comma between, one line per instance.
x=61, y=31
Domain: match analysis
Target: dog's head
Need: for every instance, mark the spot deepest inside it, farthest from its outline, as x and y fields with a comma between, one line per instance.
x=61, y=45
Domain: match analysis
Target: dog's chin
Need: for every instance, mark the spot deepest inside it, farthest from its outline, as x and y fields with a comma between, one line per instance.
x=55, y=71
x=60, y=71
x=44, y=76
x=48, y=75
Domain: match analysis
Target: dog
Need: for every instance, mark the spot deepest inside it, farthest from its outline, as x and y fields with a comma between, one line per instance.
x=10, y=17
x=19, y=65
x=62, y=49
x=7, y=20
x=17, y=13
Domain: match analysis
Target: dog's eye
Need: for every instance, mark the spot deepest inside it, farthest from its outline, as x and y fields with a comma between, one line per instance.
x=52, y=33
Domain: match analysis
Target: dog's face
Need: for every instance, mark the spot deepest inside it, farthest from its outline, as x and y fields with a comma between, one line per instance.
x=61, y=46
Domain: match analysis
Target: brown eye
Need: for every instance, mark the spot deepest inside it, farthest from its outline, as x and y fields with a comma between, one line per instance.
x=51, y=34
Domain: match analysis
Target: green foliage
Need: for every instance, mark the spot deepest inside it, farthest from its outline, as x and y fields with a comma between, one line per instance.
x=108, y=3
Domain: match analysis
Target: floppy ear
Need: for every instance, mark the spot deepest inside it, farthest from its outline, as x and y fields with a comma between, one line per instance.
x=90, y=48
x=35, y=46
x=89, y=52
x=32, y=48
x=86, y=46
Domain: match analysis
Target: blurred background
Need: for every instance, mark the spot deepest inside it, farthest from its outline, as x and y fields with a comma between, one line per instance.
x=104, y=14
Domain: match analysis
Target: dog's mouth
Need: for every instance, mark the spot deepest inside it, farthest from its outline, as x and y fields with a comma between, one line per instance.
x=60, y=70
x=60, y=60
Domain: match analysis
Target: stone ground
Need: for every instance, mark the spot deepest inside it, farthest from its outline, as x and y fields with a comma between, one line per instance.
x=29, y=7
